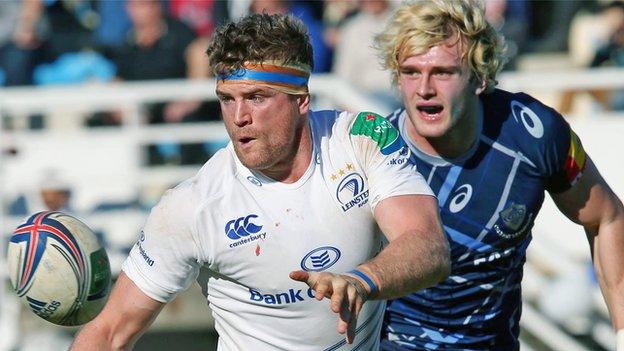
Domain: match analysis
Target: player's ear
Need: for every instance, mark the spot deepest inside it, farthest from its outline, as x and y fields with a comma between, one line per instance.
x=303, y=101
x=481, y=85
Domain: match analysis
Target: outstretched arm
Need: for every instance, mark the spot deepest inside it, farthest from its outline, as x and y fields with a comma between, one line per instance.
x=593, y=204
x=416, y=257
x=127, y=314
x=418, y=254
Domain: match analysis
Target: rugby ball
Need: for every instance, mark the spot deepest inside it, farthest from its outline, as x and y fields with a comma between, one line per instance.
x=58, y=268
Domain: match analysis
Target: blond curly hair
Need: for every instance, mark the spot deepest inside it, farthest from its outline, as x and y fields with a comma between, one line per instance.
x=418, y=26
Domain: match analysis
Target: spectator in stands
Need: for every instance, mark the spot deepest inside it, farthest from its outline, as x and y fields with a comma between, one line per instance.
x=355, y=54
x=550, y=24
x=197, y=14
x=490, y=156
x=157, y=47
x=21, y=32
x=54, y=194
x=612, y=54
x=114, y=24
x=510, y=19
x=592, y=44
x=201, y=16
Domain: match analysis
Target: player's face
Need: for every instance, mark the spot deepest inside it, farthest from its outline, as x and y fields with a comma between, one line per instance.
x=439, y=91
x=265, y=125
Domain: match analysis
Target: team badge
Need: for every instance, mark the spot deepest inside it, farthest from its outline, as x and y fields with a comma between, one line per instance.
x=515, y=219
x=513, y=215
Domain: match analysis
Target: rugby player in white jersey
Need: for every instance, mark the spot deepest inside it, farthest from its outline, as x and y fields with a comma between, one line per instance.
x=296, y=198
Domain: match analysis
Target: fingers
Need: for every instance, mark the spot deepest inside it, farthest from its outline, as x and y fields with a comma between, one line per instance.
x=338, y=298
x=347, y=317
x=344, y=296
x=353, y=316
x=300, y=276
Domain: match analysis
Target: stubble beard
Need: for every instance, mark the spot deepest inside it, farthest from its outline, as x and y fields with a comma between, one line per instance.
x=258, y=158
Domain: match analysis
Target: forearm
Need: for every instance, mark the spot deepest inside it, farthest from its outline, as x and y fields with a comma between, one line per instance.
x=409, y=263
x=94, y=337
x=609, y=265
x=97, y=336
x=127, y=314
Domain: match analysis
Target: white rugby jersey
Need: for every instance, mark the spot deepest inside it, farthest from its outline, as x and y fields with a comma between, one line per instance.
x=240, y=234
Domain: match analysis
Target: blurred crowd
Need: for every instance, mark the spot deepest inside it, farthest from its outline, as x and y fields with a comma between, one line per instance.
x=67, y=41
x=47, y=42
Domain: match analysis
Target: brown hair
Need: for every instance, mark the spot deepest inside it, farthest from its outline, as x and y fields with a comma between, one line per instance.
x=259, y=38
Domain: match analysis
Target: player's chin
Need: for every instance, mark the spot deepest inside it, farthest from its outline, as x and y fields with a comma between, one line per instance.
x=435, y=130
x=256, y=160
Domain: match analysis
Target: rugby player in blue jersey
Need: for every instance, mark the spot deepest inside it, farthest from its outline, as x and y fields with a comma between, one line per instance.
x=490, y=156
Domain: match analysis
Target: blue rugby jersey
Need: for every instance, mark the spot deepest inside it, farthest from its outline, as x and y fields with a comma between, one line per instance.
x=488, y=201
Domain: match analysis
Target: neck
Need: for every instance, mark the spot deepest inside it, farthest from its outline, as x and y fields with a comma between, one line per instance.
x=293, y=168
x=456, y=142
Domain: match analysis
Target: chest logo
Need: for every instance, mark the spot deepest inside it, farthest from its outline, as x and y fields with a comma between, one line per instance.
x=515, y=218
x=244, y=230
x=320, y=259
x=461, y=198
x=351, y=191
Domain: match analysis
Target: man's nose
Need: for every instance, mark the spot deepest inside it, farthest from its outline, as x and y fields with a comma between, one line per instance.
x=426, y=89
x=242, y=114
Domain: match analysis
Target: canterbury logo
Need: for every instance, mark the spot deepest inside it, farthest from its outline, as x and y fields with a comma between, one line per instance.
x=241, y=227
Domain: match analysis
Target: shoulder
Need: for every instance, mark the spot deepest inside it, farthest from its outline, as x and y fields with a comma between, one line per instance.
x=325, y=119
x=214, y=176
x=372, y=127
x=520, y=115
x=179, y=206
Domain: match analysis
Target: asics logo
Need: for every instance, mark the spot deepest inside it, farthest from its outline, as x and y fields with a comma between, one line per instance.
x=242, y=227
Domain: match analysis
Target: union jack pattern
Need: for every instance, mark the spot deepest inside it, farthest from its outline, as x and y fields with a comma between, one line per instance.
x=35, y=234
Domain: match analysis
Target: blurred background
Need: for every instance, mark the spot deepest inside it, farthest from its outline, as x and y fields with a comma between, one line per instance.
x=105, y=104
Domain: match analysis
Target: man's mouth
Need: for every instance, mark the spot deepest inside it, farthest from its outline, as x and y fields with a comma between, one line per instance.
x=430, y=111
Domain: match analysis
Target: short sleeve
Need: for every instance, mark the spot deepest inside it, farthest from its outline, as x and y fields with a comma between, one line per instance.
x=385, y=158
x=165, y=259
x=552, y=144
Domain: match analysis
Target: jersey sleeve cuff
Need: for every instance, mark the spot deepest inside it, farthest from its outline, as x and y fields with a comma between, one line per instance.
x=147, y=286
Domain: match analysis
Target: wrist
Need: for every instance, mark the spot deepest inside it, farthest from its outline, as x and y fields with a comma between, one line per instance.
x=371, y=287
x=359, y=287
x=619, y=340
